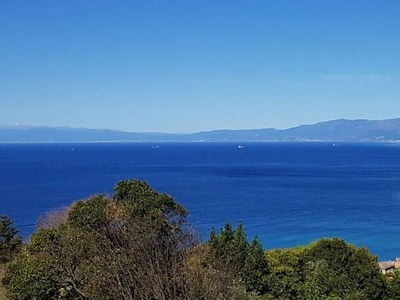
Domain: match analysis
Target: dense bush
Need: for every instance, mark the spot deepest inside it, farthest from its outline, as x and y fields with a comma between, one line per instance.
x=325, y=269
x=31, y=277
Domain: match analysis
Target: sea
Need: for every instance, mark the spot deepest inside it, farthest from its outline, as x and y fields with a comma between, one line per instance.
x=286, y=194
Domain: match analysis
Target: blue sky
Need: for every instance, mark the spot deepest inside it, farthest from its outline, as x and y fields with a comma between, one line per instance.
x=186, y=66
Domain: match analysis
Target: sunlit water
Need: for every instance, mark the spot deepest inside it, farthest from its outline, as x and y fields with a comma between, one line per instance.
x=285, y=193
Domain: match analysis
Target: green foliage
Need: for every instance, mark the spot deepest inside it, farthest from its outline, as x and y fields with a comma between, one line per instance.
x=133, y=191
x=42, y=240
x=89, y=214
x=340, y=269
x=145, y=202
x=286, y=278
x=393, y=280
x=131, y=246
x=232, y=251
x=29, y=278
x=10, y=242
x=136, y=245
x=256, y=268
x=325, y=269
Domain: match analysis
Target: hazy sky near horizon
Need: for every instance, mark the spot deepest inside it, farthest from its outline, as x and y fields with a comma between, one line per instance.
x=186, y=66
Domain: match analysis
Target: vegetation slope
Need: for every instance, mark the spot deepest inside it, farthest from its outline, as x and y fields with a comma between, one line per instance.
x=138, y=244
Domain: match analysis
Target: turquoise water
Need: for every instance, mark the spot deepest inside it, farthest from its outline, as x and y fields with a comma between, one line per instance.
x=285, y=193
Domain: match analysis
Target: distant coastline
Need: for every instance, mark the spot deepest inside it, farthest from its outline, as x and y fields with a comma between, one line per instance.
x=334, y=131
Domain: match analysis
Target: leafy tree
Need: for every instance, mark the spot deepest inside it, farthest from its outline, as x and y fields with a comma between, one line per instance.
x=131, y=246
x=285, y=280
x=232, y=252
x=393, y=281
x=325, y=269
x=144, y=202
x=338, y=269
x=75, y=255
x=10, y=242
x=30, y=277
x=89, y=214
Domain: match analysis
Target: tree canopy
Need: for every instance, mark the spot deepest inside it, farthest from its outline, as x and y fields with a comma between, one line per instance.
x=10, y=242
x=325, y=269
x=129, y=246
x=138, y=245
x=232, y=251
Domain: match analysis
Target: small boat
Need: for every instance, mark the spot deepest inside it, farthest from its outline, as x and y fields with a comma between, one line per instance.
x=240, y=146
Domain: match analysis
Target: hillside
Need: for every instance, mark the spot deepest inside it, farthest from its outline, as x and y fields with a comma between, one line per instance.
x=336, y=130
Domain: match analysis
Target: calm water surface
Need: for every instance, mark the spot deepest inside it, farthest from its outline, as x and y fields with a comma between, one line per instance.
x=287, y=194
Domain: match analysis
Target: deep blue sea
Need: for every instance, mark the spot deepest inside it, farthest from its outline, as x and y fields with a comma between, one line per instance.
x=285, y=193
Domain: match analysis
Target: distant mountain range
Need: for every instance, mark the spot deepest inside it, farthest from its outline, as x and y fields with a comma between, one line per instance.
x=333, y=131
